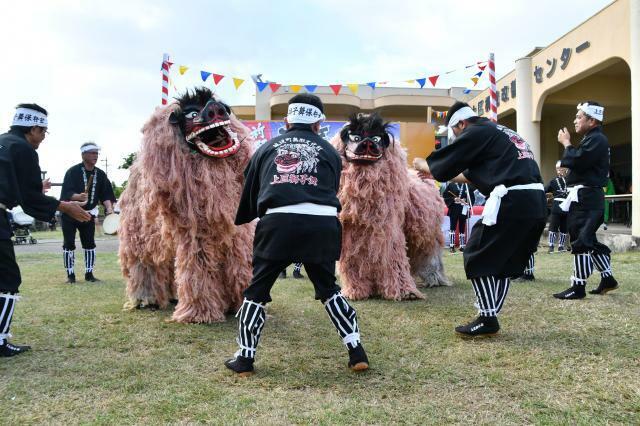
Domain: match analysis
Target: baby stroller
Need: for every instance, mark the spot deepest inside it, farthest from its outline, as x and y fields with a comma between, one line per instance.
x=21, y=226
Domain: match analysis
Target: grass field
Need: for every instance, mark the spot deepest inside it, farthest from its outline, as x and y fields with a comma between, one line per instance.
x=554, y=362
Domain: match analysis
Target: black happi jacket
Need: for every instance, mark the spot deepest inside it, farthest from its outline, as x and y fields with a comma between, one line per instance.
x=588, y=165
x=558, y=187
x=76, y=179
x=453, y=190
x=296, y=167
x=492, y=155
x=21, y=180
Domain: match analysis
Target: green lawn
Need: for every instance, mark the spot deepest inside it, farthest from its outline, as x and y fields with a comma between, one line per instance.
x=554, y=362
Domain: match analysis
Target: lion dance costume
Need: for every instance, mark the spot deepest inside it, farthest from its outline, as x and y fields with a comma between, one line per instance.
x=390, y=218
x=177, y=234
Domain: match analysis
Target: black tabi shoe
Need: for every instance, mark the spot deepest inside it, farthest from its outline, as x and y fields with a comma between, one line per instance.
x=606, y=284
x=358, y=360
x=71, y=279
x=240, y=365
x=452, y=250
x=283, y=274
x=461, y=249
x=7, y=349
x=561, y=249
x=551, y=249
x=89, y=277
x=297, y=275
x=480, y=327
x=572, y=293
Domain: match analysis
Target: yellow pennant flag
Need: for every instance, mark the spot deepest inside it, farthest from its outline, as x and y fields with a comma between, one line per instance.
x=295, y=88
x=475, y=80
x=353, y=88
x=183, y=69
x=410, y=81
x=237, y=82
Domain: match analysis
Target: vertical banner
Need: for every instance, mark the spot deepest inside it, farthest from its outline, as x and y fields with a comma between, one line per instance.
x=492, y=89
x=165, y=78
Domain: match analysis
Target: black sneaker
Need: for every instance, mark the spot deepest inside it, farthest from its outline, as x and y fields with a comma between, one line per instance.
x=606, y=285
x=551, y=249
x=480, y=327
x=283, y=274
x=240, y=365
x=461, y=249
x=452, y=250
x=89, y=277
x=7, y=349
x=297, y=274
x=358, y=360
x=572, y=293
x=71, y=279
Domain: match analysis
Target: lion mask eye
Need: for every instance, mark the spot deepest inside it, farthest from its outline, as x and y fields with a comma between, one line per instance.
x=355, y=138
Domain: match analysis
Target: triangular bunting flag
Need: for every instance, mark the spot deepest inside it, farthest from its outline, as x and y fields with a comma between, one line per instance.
x=475, y=80
x=421, y=81
x=482, y=67
x=274, y=87
x=433, y=79
x=237, y=82
x=183, y=69
x=466, y=91
x=336, y=88
x=353, y=88
x=217, y=78
x=295, y=88
x=372, y=84
x=311, y=87
x=205, y=75
x=261, y=85
x=409, y=81
x=479, y=73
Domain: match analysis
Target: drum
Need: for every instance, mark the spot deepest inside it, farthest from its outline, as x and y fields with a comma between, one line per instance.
x=111, y=224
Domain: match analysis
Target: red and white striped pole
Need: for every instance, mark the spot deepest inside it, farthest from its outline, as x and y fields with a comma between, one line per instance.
x=492, y=89
x=493, y=116
x=165, y=78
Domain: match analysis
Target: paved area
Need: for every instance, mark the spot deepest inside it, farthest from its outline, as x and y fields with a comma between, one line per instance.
x=103, y=245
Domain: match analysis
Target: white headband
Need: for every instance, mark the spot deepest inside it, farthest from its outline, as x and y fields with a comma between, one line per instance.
x=29, y=118
x=92, y=147
x=304, y=114
x=593, y=111
x=461, y=114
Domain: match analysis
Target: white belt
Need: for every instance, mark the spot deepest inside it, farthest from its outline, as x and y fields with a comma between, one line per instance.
x=306, y=208
x=3, y=207
x=492, y=206
x=559, y=199
x=572, y=197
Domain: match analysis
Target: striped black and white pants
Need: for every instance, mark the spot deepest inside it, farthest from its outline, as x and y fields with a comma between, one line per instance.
x=583, y=264
x=491, y=293
x=531, y=265
x=68, y=257
x=7, y=304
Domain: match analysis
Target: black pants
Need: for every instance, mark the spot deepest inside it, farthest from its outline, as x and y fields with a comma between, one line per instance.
x=502, y=250
x=558, y=222
x=87, y=233
x=265, y=273
x=582, y=225
x=10, y=278
x=456, y=218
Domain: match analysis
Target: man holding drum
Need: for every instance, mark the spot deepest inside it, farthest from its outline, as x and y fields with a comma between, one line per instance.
x=87, y=185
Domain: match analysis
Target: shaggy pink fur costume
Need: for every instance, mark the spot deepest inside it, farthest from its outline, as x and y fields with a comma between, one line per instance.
x=390, y=228
x=185, y=223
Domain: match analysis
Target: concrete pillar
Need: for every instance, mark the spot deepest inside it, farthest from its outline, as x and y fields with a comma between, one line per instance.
x=526, y=127
x=430, y=115
x=635, y=111
x=263, y=106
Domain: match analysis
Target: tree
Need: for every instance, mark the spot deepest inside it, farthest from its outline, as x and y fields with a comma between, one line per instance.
x=127, y=161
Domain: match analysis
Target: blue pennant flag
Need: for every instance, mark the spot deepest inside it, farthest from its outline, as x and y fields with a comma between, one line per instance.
x=311, y=87
x=478, y=74
x=205, y=75
x=261, y=85
x=421, y=81
x=466, y=91
x=372, y=84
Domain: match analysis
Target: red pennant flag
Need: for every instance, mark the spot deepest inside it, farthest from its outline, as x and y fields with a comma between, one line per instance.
x=433, y=79
x=274, y=87
x=482, y=67
x=336, y=88
x=217, y=78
